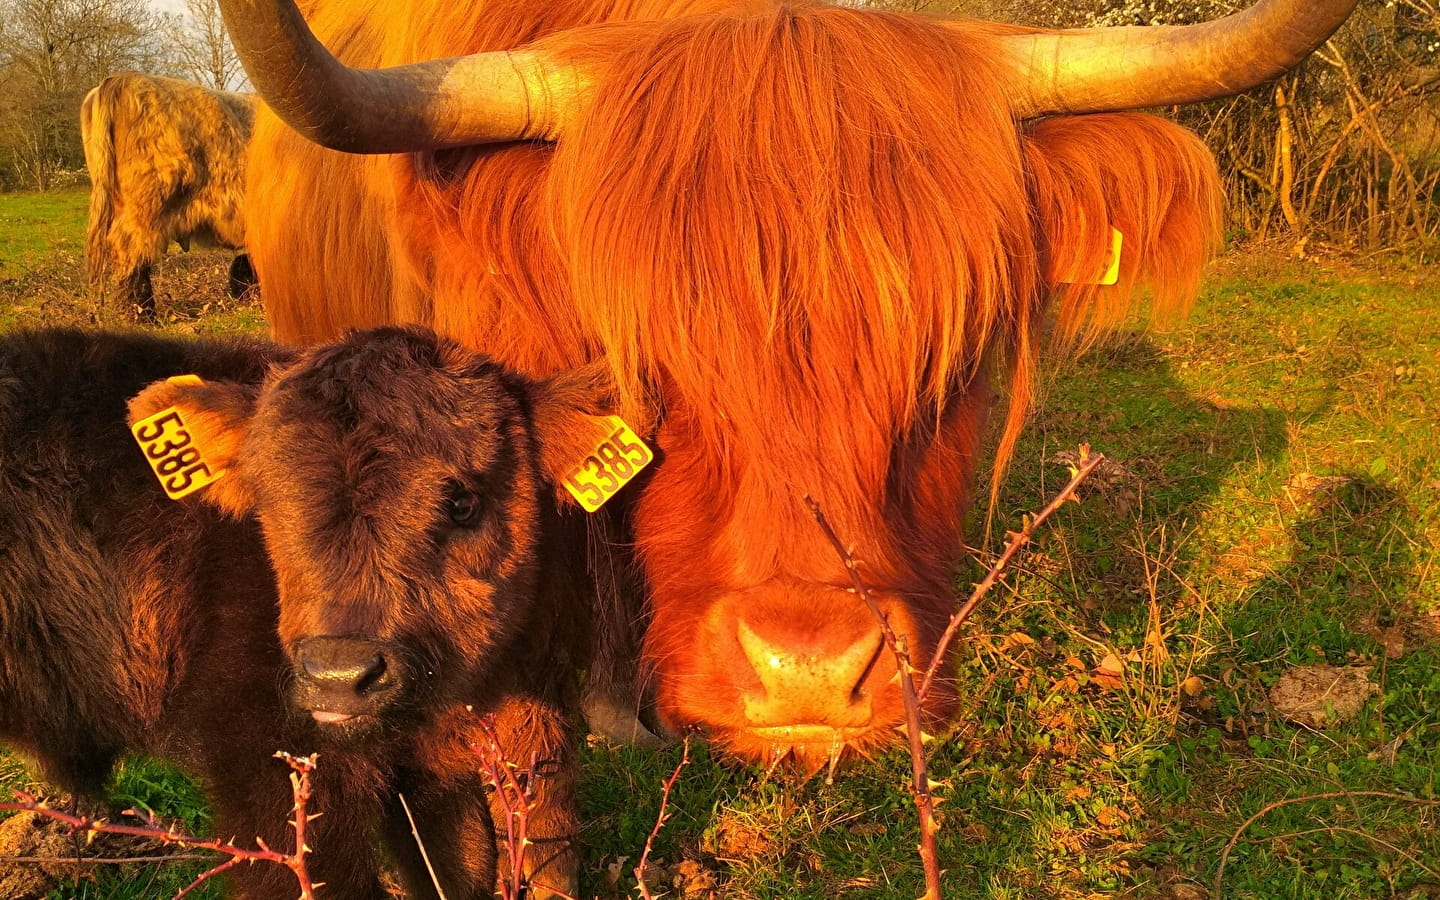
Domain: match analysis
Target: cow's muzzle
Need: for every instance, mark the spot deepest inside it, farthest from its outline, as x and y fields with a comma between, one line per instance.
x=339, y=679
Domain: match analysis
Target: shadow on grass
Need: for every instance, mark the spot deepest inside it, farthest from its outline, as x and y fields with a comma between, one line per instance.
x=1345, y=597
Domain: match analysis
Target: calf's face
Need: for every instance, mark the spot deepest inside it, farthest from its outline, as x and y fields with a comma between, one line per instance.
x=403, y=486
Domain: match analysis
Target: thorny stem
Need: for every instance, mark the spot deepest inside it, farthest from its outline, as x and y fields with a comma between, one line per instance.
x=516, y=796
x=302, y=766
x=912, y=698
x=1015, y=541
x=920, y=778
x=660, y=820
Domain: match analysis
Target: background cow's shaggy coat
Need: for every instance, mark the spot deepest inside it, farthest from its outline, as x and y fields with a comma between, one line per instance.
x=167, y=163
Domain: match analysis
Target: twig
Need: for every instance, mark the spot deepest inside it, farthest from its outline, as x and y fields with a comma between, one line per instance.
x=912, y=698
x=302, y=766
x=660, y=820
x=1218, y=883
x=920, y=779
x=1340, y=829
x=516, y=794
x=424, y=854
x=1015, y=540
x=103, y=860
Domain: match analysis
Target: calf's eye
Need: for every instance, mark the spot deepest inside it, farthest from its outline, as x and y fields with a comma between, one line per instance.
x=463, y=505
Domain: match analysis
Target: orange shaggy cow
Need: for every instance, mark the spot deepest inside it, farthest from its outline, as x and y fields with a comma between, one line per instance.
x=812, y=243
x=167, y=163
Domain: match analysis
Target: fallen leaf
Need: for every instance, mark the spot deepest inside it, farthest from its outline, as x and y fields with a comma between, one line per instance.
x=1016, y=639
x=614, y=870
x=1111, y=665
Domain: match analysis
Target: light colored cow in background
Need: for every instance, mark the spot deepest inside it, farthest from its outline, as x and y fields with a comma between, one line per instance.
x=167, y=163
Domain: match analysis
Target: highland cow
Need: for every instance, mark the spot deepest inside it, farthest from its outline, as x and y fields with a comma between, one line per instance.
x=402, y=487
x=167, y=164
x=812, y=243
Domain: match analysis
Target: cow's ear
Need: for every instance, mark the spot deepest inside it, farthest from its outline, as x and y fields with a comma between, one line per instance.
x=214, y=416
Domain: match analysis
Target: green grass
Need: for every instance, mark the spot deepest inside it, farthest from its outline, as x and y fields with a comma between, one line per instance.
x=42, y=280
x=34, y=226
x=1274, y=503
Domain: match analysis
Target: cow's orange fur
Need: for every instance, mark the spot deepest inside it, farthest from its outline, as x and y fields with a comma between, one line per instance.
x=807, y=239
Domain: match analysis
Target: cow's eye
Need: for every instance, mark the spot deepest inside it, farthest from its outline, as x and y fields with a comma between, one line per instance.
x=464, y=505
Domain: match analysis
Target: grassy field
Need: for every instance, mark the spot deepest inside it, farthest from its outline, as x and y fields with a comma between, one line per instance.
x=1271, y=503
x=42, y=280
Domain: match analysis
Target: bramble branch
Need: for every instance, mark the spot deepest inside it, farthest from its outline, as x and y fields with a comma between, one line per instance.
x=516, y=792
x=301, y=766
x=912, y=698
x=660, y=820
x=1217, y=886
x=920, y=778
x=1015, y=540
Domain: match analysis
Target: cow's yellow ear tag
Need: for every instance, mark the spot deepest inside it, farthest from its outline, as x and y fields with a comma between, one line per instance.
x=171, y=450
x=1112, y=270
x=609, y=466
x=1111, y=273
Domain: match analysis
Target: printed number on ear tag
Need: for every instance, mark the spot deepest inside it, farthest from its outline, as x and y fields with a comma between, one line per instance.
x=172, y=453
x=609, y=467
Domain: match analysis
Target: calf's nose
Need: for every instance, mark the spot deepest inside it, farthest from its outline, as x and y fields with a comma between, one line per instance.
x=346, y=675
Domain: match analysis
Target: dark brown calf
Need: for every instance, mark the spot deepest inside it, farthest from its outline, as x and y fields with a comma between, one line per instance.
x=400, y=487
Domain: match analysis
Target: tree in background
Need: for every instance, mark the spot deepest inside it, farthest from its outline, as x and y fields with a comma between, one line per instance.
x=51, y=53
x=1344, y=148
x=201, y=46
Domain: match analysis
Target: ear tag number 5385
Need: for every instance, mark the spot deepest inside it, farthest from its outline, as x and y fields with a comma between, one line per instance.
x=172, y=454
x=609, y=467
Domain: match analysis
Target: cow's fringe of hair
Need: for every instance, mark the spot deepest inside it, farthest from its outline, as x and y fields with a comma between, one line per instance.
x=838, y=237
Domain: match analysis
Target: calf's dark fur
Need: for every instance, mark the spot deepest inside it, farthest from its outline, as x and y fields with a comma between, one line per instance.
x=401, y=488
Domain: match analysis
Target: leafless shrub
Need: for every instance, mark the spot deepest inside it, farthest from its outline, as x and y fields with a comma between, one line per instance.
x=1344, y=149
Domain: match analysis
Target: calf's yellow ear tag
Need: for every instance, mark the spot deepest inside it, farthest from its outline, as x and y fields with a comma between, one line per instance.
x=171, y=450
x=607, y=468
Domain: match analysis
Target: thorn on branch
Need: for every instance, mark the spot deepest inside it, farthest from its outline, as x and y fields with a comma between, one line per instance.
x=913, y=697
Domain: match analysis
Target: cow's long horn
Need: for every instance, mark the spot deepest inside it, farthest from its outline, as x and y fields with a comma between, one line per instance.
x=1100, y=69
x=484, y=98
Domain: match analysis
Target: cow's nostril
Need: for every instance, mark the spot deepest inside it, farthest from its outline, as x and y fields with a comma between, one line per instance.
x=374, y=676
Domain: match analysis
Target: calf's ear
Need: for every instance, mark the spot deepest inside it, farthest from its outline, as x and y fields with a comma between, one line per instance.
x=216, y=416
x=570, y=413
